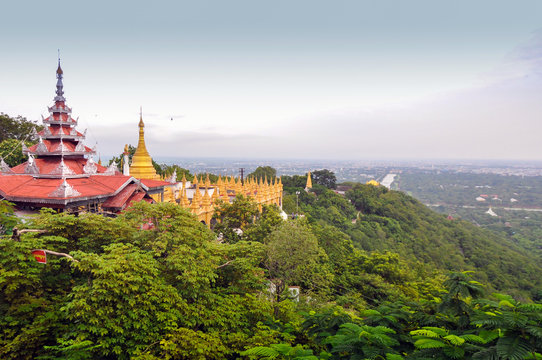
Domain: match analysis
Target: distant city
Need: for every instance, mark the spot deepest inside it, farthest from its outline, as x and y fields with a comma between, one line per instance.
x=359, y=171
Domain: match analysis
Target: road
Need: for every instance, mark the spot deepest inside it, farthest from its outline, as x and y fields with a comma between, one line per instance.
x=388, y=180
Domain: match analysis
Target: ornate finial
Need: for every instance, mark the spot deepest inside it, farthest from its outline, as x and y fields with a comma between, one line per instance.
x=59, y=86
x=59, y=69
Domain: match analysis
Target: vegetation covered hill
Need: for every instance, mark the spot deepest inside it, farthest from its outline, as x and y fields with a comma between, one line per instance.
x=377, y=219
x=154, y=283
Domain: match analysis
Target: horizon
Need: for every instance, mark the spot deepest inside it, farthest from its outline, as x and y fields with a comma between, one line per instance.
x=309, y=80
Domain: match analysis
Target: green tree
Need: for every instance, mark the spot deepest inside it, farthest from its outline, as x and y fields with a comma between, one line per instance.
x=325, y=178
x=264, y=224
x=354, y=341
x=11, y=151
x=434, y=342
x=7, y=217
x=293, y=257
x=235, y=218
x=280, y=351
x=458, y=300
x=17, y=128
x=512, y=329
x=264, y=171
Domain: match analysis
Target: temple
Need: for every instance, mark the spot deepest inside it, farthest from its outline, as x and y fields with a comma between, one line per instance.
x=201, y=196
x=61, y=173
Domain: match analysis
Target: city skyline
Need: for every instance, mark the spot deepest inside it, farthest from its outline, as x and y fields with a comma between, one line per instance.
x=347, y=80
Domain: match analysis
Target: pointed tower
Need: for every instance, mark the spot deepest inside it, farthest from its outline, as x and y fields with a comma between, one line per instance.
x=309, y=182
x=60, y=152
x=141, y=167
x=184, y=200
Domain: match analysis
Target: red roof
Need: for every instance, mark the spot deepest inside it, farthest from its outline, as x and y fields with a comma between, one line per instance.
x=154, y=183
x=119, y=200
x=55, y=130
x=52, y=145
x=29, y=189
x=48, y=164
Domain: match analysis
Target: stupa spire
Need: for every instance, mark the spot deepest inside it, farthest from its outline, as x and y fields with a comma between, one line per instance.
x=309, y=181
x=59, y=86
x=142, y=167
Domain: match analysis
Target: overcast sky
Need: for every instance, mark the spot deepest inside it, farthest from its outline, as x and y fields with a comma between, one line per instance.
x=285, y=79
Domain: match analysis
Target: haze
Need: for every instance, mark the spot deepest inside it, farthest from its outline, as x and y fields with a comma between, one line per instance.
x=285, y=79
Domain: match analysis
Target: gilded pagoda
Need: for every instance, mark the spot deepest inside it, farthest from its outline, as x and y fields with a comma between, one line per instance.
x=201, y=196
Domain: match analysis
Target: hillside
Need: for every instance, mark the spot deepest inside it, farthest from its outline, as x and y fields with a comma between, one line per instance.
x=377, y=219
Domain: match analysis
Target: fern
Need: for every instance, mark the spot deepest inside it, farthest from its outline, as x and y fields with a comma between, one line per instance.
x=474, y=338
x=440, y=331
x=486, y=354
x=454, y=340
x=393, y=357
x=263, y=352
x=535, y=331
x=513, y=348
x=454, y=352
x=426, y=333
x=429, y=344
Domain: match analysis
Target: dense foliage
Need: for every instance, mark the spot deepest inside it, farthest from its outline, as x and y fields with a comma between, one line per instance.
x=371, y=270
x=377, y=219
x=18, y=128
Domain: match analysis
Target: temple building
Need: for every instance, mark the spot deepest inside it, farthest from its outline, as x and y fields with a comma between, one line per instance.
x=61, y=173
x=201, y=196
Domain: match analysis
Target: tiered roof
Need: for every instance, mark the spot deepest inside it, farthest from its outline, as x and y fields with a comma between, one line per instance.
x=60, y=169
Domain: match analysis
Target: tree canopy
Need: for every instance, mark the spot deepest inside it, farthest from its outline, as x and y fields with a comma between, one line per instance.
x=18, y=128
x=381, y=277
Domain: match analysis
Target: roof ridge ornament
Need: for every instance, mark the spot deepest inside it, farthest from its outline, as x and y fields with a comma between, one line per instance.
x=4, y=168
x=64, y=190
x=111, y=169
x=31, y=167
x=34, y=134
x=62, y=169
x=80, y=147
x=41, y=148
x=90, y=167
x=62, y=147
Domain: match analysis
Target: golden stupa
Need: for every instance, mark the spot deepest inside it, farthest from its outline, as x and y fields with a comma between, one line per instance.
x=309, y=181
x=141, y=166
x=204, y=194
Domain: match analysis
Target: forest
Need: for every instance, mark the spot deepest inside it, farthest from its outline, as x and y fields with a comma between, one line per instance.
x=372, y=274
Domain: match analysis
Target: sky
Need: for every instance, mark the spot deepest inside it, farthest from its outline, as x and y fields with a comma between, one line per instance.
x=418, y=79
